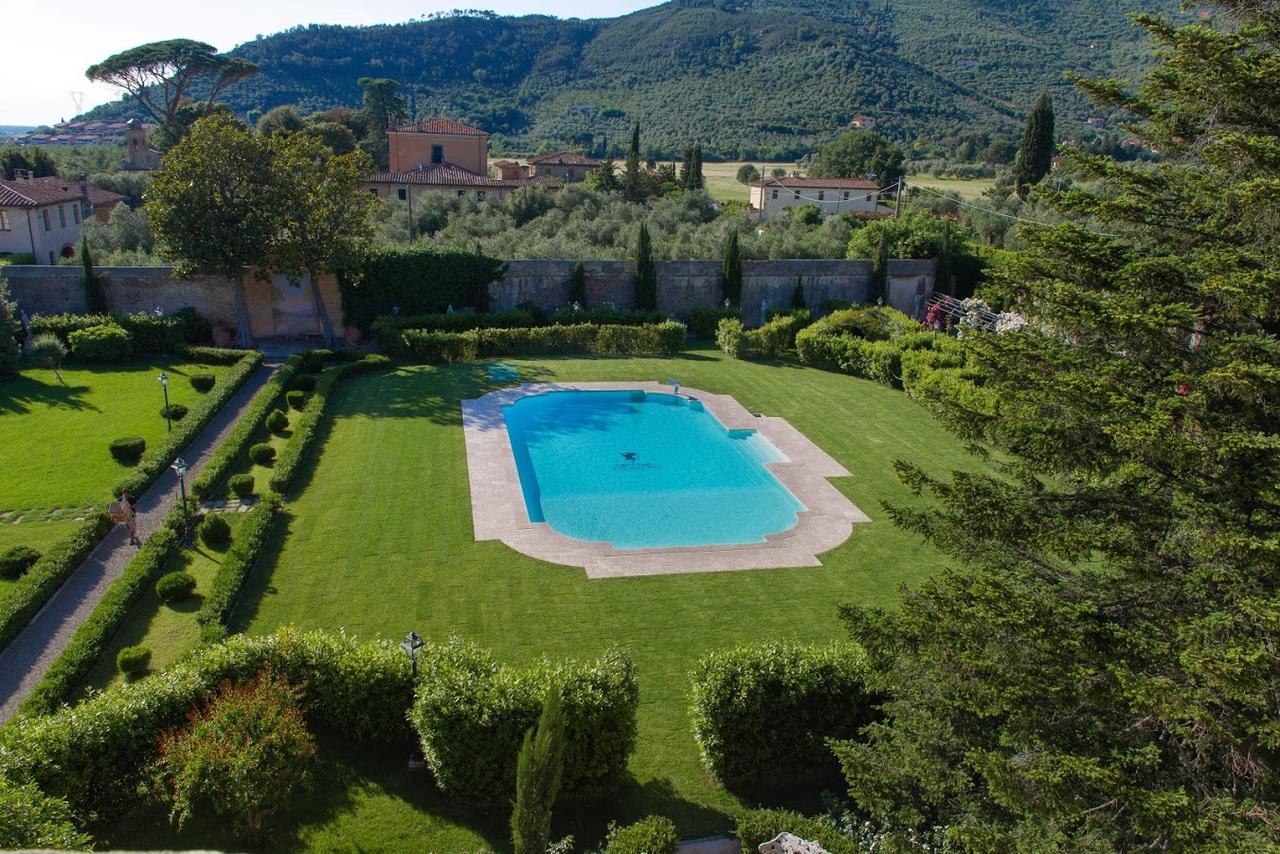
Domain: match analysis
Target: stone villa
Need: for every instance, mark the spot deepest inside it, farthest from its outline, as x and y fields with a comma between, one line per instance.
x=859, y=196
x=42, y=216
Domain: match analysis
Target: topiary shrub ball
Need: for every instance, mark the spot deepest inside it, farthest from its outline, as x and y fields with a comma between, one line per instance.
x=277, y=421
x=303, y=382
x=128, y=449
x=262, y=454
x=202, y=382
x=133, y=661
x=215, y=531
x=241, y=485
x=297, y=399
x=174, y=586
x=175, y=411
x=16, y=560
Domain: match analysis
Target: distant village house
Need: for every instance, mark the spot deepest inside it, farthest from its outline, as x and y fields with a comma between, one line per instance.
x=42, y=216
x=859, y=196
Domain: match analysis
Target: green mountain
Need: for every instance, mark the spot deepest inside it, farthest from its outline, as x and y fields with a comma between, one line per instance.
x=749, y=79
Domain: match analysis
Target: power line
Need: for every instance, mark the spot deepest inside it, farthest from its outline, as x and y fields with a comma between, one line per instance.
x=989, y=210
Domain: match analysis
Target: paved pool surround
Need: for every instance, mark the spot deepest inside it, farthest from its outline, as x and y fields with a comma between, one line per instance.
x=499, y=513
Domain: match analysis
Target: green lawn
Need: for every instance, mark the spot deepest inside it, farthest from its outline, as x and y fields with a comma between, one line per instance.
x=377, y=539
x=54, y=436
x=965, y=188
x=37, y=535
x=722, y=179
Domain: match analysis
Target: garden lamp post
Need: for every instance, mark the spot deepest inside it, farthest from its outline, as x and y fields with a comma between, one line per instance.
x=180, y=468
x=164, y=384
x=411, y=645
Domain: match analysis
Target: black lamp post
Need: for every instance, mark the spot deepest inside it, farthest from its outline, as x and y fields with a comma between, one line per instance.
x=164, y=384
x=180, y=468
x=411, y=645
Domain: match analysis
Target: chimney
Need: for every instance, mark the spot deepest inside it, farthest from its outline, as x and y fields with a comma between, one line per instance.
x=23, y=175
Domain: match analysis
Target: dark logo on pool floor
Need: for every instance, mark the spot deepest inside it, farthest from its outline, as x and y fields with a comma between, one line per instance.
x=629, y=456
x=633, y=462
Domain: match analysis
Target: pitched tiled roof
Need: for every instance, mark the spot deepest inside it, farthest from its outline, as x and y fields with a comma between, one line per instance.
x=822, y=183
x=564, y=158
x=439, y=125
x=451, y=175
x=99, y=197
x=34, y=192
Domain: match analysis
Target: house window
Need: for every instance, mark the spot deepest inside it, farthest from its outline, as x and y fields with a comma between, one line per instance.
x=4, y=220
x=797, y=194
x=44, y=216
x=846, y=195
x=62, y=216
x=462, y=194
x=437, y=154
x=822, y=194
x=75, y=213
x=402, y=194
x=868, y=197
x=775, y=194
x=373, y=190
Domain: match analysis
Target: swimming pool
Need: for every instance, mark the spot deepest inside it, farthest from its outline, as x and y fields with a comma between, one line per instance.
x=644, y=470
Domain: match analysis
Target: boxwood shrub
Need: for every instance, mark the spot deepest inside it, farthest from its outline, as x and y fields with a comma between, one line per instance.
x=434, y=348
x=652, y=834
x=174, y=411
x=304, y=382
x=262, y=454
x=47, y=574
x=234, y=568
x=203, y=382
x=106, y=343
x=16, y=560
x=471, y=715
x=174, y=586
x=30, y=820
x=756, y=827
x=277, y=421
x=154, y=333
x=95, y=753
x=62, y=325
x=765, y=712
x=215, y=530
x=386, y=329
x=233, y=447
x=767, y=342
x=129, y=449
x=133, y=660
x=241, y=485
x=296, y=399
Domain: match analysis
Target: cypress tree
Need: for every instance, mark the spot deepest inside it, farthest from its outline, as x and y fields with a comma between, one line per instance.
x=578, y=285
x=695, y=171
x=539, y=768
x=1035, y=155
x=731, y=270
x=632, y=185
x=95, y=301
x=797, y=295
x=646, y=273
x=686, y=169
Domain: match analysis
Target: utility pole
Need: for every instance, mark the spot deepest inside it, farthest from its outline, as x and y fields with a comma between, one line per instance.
x=897, y=206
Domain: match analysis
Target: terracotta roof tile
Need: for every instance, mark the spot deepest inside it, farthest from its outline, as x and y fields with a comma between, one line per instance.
x=36, y=192
x=440, y=125
x=564, y=158
x=822, y=183
x=451, y=175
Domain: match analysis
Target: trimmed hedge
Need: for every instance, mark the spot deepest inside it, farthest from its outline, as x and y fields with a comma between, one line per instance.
x=234, y=569
x=296, y=399
x=304, y=429
x=241, y=485
x=156, y=461
x=416, y=279
x=96, y=753
x=16, y=560
x=174, y=411
x=46, y=575
x=62, y=325
x=150, y=333
x=766, y=711
x=277, y=421
x=215, y=530
x=314, y=361
x=30, y=820
x=129, y=449
x=303, y=382
x=213, y=355
x=471, y=715
x=91, y=638
x=262, y=454
x=241, y=436
x=434, y=347
x=767, y=342
x=203, y=382
x=870, y=343
x=133, y=660
x=605, y=316
x=756, y=827
x=386, y=329
x=652, y=834
x=703, y=322
x=106, y=343
x=174, y=586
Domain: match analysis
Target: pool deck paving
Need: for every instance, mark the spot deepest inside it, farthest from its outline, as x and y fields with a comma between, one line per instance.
x=24, y=661
x=499, y=513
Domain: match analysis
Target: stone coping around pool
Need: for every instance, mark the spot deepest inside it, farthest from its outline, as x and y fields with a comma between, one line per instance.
x=498, y=510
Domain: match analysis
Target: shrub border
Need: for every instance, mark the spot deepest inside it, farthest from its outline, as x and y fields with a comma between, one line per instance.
x=220, y=600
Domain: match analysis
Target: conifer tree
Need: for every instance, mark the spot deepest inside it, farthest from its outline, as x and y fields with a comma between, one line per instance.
x=633, y=183
x=578, y=285
x=646, y=273
x=1035, y=155
x=696, y=181
x=95, y=301
x=686, y=169
x=1097, y=670
x=539, y=769
x=731, y=270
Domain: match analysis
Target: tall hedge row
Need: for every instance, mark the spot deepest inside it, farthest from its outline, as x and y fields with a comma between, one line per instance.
x=435, y=347
x=769, y=341
x=95, y=753
x=237, y=442
x=149, y=332
x=871, y=343
x=471, y=715
x=234, y=569
x=765, y=712
x=415, y=280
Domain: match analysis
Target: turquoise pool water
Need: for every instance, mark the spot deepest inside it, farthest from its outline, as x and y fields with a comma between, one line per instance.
x=642, y=470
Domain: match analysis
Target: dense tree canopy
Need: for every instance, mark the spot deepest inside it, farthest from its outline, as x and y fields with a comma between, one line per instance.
x=1099, y=669
x=859, y=154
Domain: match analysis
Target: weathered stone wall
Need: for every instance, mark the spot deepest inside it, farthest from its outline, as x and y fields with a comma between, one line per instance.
x=686, y=285
x=770, y=284
x=54, y=290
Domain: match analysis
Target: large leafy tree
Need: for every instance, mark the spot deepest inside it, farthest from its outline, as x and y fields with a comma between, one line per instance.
x=1035, y=155
x=212, y=206
x=1099, y=670
x=323, y=214
x=857, y=154
x=162, y=75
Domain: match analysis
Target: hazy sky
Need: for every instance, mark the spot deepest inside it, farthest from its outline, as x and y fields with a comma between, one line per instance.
x=46, y=63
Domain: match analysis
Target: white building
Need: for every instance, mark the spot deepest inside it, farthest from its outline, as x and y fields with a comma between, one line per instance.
x=859, y=196
x=42, y=216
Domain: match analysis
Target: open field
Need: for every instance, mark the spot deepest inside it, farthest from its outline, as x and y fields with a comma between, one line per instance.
x=722, y=180
x=377, y=540
x=965, y=188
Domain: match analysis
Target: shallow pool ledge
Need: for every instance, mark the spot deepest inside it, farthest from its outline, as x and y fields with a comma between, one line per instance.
x=499, y=513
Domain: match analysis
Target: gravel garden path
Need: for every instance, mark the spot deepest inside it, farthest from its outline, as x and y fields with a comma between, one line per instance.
x=24, y=661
